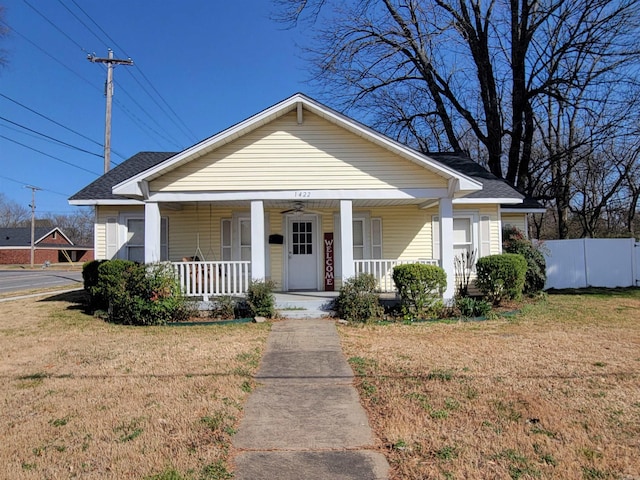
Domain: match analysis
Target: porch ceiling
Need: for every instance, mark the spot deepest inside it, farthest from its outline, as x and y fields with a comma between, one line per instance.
x=308, y=204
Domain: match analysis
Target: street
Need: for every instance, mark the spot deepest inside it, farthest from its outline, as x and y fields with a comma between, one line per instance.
x=26, y=280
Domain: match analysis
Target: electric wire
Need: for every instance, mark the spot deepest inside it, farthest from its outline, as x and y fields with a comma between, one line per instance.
x=189, y=132
x=50, y=137
x=50, y=156
x=24, y=184
x=56, y=27
x=59, y=124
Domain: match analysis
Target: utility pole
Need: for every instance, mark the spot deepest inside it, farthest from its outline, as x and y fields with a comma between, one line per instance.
x=110, y=61
x=33, y=221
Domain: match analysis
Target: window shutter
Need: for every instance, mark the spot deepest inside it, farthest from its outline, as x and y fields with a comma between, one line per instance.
x=164, y=239
x=225, y=241
x=376, y=238
x=435, y=240
x=485, y=236
x=111, y=235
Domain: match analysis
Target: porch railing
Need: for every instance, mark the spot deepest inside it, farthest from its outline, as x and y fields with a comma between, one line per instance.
x=207, y=279
x=382, y=270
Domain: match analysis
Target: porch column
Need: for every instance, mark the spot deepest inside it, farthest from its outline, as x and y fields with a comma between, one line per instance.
x=257, y=241
x=446, y=247
x=152, y=233
x=346, y=239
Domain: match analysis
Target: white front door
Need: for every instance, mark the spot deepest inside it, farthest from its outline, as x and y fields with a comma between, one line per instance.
x=302, y=252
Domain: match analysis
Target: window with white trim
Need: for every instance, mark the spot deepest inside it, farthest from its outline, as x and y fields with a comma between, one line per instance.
x=358, y=239
x=466, y=234
x=235, y=238
x=131, y=245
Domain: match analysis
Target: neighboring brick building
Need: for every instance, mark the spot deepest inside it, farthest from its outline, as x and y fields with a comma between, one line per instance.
x=51, y=245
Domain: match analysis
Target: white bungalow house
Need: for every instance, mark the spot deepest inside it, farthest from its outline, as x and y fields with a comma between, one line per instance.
x=301, y=195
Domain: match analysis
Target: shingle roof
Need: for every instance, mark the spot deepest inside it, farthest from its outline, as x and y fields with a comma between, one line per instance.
x=21, y=236
x=492, y=186
x=100, y=189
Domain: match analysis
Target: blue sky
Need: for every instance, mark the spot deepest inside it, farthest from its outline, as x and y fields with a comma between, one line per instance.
x=213, y=62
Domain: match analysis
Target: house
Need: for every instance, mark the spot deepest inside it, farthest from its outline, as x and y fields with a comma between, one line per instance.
x=51, y=245
x=301, y=195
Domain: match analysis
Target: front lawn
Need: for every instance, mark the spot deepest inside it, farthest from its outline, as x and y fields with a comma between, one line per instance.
x=553, y=392
x=82, y=398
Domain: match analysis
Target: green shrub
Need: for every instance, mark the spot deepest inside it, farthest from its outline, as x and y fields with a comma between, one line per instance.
x=223, y=307
x=141, y=294
x=261, y=300
x=358, y=300
x=470, y=307
x=514, y=241
x=501, y=276
x=420, y=287
x=90, y=279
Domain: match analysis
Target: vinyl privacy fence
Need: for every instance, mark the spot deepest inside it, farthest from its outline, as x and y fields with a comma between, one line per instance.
x=592, y=262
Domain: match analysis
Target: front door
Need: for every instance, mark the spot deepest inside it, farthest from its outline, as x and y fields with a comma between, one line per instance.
x=302, y=252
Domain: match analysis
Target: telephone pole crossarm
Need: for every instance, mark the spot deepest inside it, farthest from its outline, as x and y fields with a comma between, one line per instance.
x=110, y=62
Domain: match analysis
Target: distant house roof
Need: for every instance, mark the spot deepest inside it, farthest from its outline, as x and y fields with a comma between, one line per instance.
x=21, y=236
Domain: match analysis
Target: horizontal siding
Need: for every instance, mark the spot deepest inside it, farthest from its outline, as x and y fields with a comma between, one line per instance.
x=515, y=220
x=284, y=155
x=406, y=232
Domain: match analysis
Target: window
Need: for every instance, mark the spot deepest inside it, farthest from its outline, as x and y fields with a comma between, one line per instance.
x=135, y=240
x=245, y=239
x=227, y=245
x=465, y=234
x=132, y=243
x=235, y=238
x=462, y=236
x=376, y=238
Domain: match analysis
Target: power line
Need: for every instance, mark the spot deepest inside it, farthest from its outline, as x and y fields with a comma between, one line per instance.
x=49, y=137
x=24, y=184
x=83, y=24
x=48, y=155
x=58, y=123
x=188, y=131
x=56, y=27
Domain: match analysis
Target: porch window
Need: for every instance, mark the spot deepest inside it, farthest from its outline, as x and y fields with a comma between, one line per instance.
x=465, y=234
x=235, y=238
x=133, y=241
x=462, y=236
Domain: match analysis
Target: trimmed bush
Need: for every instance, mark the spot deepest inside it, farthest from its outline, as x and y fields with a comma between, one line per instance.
x=514, y=241
x=261, y=300
x=135, y=294
x=90, y=279
x=501, y=276
x=420, y=287
x=358, y=300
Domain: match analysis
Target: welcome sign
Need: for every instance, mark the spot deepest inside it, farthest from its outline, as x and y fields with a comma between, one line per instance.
x=329, y=274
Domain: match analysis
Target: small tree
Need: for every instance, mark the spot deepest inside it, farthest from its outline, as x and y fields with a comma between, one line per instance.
x=260, y=299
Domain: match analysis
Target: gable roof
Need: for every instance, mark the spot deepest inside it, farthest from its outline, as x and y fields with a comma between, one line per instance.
x=21, y=236
x=101, y=189
x=478, y=183
x=133, y=187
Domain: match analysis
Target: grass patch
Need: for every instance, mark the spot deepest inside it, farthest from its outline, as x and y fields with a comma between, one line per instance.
x=74, y=390
x=530, y=398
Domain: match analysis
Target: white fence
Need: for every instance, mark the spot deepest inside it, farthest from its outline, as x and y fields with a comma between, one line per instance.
x=592, y=262
x=205, y=279
x=382, y=270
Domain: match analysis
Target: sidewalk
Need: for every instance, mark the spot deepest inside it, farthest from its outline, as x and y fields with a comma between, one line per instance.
x=304, y=420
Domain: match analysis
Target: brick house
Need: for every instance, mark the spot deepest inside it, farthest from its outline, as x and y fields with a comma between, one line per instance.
x=51, y=245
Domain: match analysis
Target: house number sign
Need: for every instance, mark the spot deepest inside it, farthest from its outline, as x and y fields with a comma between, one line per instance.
x=329, y=274
x=302, y=194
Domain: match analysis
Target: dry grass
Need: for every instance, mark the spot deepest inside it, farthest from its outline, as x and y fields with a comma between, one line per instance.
x=85, y=399
x=551, y=393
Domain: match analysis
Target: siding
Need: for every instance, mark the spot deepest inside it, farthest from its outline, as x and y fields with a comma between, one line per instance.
x=515, y=220
x=284, y=156
x=406, y=232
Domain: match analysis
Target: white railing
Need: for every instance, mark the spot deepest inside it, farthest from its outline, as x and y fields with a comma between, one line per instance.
x=207, y=279
x=382, y=270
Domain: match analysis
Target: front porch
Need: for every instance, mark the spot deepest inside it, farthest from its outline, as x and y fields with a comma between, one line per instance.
x=232, y=278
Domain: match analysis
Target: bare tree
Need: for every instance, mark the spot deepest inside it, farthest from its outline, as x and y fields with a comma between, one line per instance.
x=13, y=214
x=468, y=74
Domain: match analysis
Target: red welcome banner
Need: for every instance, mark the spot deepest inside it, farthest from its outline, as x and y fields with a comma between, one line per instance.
x=329, y=275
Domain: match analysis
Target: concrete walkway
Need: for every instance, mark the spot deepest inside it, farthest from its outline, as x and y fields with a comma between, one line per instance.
x=304, y=420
